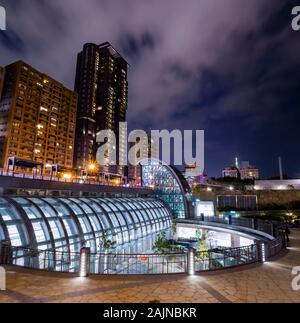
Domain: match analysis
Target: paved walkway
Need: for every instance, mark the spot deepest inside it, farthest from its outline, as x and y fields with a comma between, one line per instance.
x=269, y=282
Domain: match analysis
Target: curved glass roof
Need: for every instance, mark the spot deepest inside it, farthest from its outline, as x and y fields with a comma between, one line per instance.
x=169, y=185
x=67, y=224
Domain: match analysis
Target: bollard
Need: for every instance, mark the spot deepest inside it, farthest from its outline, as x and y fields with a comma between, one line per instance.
x=191, y=262
x=84, y=267
x=262, y=252
x=2, y=279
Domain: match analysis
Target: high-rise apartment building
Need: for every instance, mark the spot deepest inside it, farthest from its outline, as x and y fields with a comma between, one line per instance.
x=102, y=87
x=37, y=118
x=148, y=150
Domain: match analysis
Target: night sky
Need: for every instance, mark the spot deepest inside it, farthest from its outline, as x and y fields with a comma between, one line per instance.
x=229, y=67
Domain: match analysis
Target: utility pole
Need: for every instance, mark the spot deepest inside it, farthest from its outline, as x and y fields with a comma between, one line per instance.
x=280, y=168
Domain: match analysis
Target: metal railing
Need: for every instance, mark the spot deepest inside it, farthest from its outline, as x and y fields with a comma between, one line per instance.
x=275, y=246
x=270, y=227
x=146, y=263
x=41, y=259
x=124, y=264
x=173, y=263
x=100, y=263
x=221, y=258
x=75, y=180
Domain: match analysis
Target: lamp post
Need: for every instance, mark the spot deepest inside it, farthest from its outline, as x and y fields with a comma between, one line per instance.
x=84, y=267
x=191, y=262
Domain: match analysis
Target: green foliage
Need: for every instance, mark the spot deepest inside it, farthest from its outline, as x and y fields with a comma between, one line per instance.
x=174, y=228
x=162, y=245
x=105, y=243
x=216, y=264
x=202, y=246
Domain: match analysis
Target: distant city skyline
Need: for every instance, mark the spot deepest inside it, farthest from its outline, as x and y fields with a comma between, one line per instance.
x=239, y=85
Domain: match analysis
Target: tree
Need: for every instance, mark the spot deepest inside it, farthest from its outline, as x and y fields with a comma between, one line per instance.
x=202, y=247
x=105, y=243
x=174, y=230
x=162, y=245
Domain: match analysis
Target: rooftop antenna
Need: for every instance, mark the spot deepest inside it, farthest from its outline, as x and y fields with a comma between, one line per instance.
x=280, y=168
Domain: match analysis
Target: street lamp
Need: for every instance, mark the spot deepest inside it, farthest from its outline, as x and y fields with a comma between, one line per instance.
x=92, y=167
x=67, y=176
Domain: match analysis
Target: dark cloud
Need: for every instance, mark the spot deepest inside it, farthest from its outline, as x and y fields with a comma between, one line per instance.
x=226, y=66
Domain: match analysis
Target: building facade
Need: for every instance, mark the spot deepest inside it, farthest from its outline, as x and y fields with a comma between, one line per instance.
x=102, y=87
x=231, y=171
x=250, y=172
x=148, y=150
x=37, y=118
x=280, y=185
x=243, y=170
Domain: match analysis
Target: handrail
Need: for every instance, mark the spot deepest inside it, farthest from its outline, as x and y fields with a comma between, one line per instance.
x=140, y=263
x=48, y=178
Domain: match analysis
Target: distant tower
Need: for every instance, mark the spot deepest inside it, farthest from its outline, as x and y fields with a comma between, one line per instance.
x=237, y=163
x=280, y=167
x=101, y=83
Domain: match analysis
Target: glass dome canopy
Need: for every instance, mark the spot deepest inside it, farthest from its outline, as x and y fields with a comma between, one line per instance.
x=66, y=224
x=169, y=185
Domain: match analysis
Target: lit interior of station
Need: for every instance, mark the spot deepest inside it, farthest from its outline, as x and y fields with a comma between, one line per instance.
x=67, y=224
x=49, y=232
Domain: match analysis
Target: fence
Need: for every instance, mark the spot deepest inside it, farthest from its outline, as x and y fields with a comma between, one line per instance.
x=270, y=227
x=101, y=263
x=171, y=263
x=73, y=180
x=226, y=257
x=124, y=264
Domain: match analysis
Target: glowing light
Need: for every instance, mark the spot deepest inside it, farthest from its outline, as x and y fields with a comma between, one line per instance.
x=231, y=188
x=67, y=176
x=263, y=252
x=117, y=181
x=191, y=262
x=84, y=262
x=209, y=189
x=92, y=167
